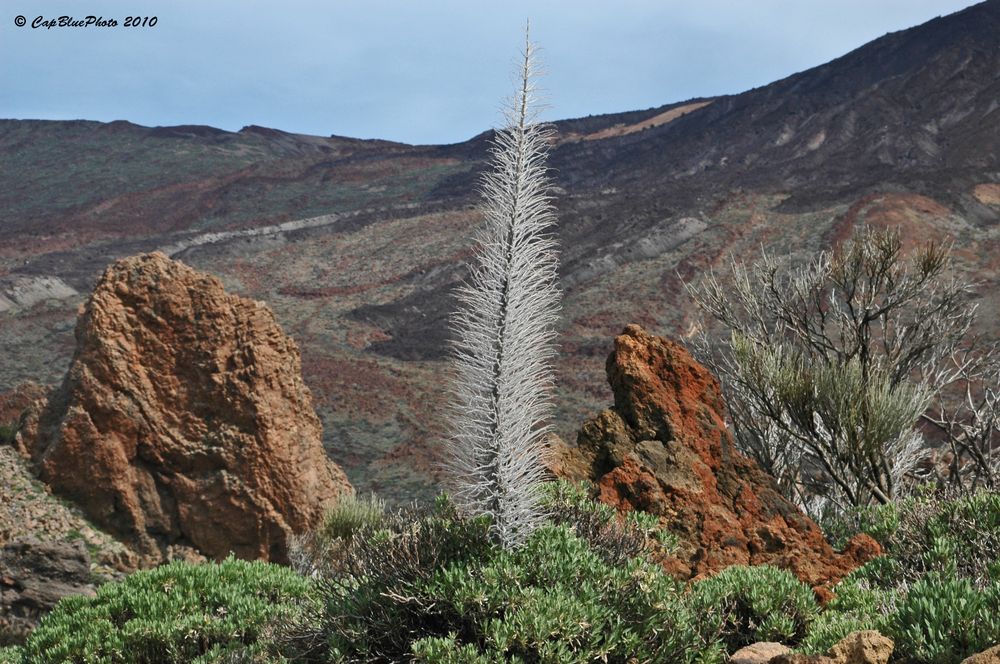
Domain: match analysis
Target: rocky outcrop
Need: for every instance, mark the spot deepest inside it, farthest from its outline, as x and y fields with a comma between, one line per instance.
x=991, y=656
x=29, y=511
x=864, y=647
x=183, y=421
x=664, y=448
x=19, y=411
x=34, y=576
x=759, y=653
x=15, y=403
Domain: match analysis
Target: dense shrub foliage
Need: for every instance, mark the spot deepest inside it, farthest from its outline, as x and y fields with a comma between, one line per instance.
x=936, y=592
x=351, y=514
x=614, y=537
x=943, y=620
x=433, y=586
x=757, y=604
x=927, y=532
x=175, y=614
x=860, y=604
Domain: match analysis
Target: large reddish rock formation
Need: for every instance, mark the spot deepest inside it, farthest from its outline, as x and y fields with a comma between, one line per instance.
x=184, y=420
x=664, y=448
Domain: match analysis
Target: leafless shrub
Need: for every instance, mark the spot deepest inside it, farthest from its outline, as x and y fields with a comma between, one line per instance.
x=830, y=368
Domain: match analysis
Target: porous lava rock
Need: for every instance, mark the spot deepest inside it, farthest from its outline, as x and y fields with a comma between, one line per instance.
x=664, y=448
x=991, y=656
x=19, y=411
x=864, y=647
x=184, y=421
x=759, y=653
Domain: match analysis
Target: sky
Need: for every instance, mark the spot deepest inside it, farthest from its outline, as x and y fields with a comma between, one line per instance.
x=417, y=71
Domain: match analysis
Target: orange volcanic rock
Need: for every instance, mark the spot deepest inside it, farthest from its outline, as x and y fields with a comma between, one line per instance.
x=664, y=448
x=184, y=420
x=15, y=403
x=19, y=410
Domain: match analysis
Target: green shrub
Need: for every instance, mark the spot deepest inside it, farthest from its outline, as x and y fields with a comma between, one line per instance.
x=446, y=650
x=859, y=604
x=878, y=521
x=864, y=590
x=8, y=433
x=829, y=628
x=351, y=514
x=10, y=655
x=936, y=592
x=615, y=537
x=943, y=620
x=761, y=603
x=434, y=587
x=929, y=532
x=318, y=553
x=177, y=613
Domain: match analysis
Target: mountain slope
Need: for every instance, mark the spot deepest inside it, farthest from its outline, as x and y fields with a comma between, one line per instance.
x=900, y=109
x=357, y=245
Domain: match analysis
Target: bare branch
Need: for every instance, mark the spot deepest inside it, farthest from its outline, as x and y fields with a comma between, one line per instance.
x=832, y=365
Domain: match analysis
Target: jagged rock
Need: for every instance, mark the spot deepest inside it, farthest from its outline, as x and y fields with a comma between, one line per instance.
x=34, y=576
x=184, y=421
x=759, y=653
x=564, y=461
x=20, y=408
x=664, y=448
x=991, y=656
x=14, y=403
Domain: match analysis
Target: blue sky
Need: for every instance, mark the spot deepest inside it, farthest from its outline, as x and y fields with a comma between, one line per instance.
x=419, y=71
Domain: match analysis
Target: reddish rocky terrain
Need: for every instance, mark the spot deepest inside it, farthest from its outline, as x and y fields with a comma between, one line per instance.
x=357, y=245
x=664, y=448
x=183, y=423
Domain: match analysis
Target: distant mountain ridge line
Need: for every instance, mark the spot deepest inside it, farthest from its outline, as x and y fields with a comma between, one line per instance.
x=357, y=246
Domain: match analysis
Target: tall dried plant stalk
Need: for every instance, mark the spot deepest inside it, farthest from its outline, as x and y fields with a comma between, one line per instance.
x=504, y=330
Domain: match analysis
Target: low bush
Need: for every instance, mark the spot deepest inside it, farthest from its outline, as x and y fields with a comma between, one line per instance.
x=761, y=603
x=8, y=434
x=878, y=521
x=351, y=514
x=930, y=532
x=320, y=552
x=829, y=628
x=434, y=588
x=177, y=613
x=859, y=604
x=614, y=536
x=939, y=619
x=943, y=620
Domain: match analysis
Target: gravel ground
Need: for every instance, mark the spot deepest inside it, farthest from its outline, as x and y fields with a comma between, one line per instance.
x=27, y=509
